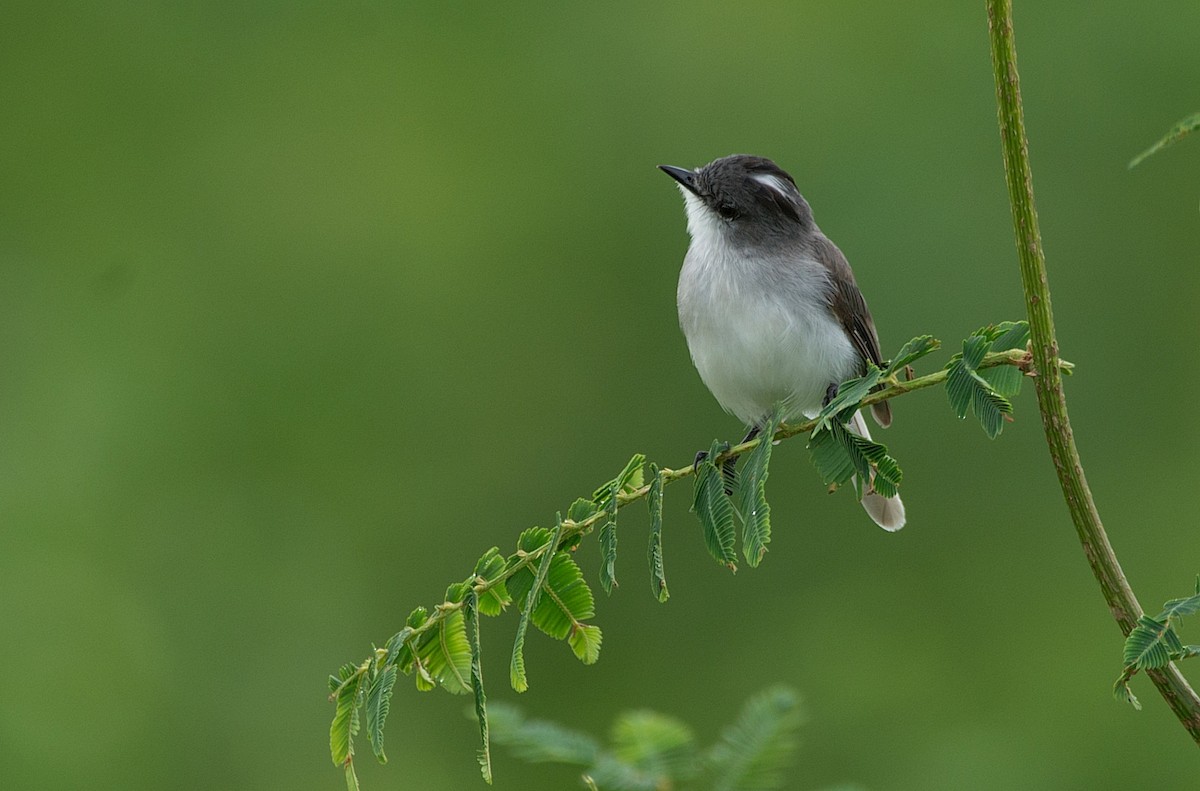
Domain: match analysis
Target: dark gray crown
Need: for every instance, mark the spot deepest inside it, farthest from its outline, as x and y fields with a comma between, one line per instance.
x=749, y=191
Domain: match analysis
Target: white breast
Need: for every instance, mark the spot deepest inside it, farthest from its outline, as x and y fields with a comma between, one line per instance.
x=757, y=337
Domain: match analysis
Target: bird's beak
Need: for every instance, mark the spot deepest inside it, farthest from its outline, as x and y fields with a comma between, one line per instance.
x=684, y=176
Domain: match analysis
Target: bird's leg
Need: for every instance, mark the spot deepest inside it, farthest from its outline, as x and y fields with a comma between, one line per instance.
x=830, y=393
x=729, y=466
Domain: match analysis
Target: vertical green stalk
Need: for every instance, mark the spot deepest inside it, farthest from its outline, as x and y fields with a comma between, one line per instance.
x=1052, y=402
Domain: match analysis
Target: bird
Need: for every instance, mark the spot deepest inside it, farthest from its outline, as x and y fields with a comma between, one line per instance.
x=768, y=304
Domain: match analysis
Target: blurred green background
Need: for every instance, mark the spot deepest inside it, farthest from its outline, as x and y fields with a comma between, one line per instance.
x=303, y=307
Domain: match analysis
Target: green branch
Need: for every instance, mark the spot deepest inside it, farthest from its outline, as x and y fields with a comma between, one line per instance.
x=1052, y=402
x=442, y=648
x=573, y=530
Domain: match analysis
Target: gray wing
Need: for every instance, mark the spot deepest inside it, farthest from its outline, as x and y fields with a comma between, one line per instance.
x=847, y=304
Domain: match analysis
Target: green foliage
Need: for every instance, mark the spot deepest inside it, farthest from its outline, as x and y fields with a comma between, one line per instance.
x=911, y=352
x=585, y=640
x=608, y=553
x=1176, y=133
x=379, y=698
x=839, y=454
x=1177, y=608
x=442, y=647
x=714, y=508
x=1154, y=643
x=970, y=389
x=442, y=656
x=658, y=580
x=755, y=750
x=471, y=616
x=752, y=494
x=348, y=698
x=849, y=394
x=532, y=598
x=565, y=600
x=649, y=751
x=540, y=741
x=490, y=570
x=607, y=497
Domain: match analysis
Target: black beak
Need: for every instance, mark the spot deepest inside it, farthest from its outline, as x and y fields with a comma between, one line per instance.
x=684, y=176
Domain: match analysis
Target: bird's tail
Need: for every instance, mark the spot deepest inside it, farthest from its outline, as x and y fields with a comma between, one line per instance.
x=887, y=512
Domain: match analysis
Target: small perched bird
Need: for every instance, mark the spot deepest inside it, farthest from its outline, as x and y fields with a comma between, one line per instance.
x=768, y=303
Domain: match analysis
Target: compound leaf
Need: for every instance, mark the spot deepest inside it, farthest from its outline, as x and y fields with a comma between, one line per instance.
x=752, y=494
x=714, y=509
x=1176, y=133
x=532, y=539
x=345, y=719
x=379, y=699
x=658, y=580
x=755, y=750
x=490, y=569
x=471, y=616
x=1146, y=646
x=584, y=640
x=911, y=352
x=539, y=741
x=1177, y=608
x=444, y=656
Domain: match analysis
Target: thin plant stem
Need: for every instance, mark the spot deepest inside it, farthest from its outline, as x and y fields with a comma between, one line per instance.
x=1122, y=602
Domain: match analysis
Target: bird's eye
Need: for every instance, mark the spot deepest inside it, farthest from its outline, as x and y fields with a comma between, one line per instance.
x=728, y=211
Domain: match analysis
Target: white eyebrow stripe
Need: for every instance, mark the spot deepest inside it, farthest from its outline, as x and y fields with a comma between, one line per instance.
x=772, y=181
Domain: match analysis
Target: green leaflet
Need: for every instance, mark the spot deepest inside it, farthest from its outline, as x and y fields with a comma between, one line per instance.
x=608, y=543
x=565, y=602
x=1007, y=335
x=345, y=718
x=396, y=643
x=1177, y=608
x=628, y=480
x=471, y=616
x=379, y=698
x=911, y=352
x=829, y=456
x=443, y=656
x=755, y=750
x=714, y=508
x=1147, y=645
x=849, y=394
x=1176, y=133
x=585, y=640
x=752, y=494
x=966, y=389
x=531, y=599
x=607, y=497
x=378, y=703
x=839, y=454
x=1122, y=692
x=649, y=750
x=1004, y=379
x=399, y=646
x=1154, y=643
x=344, y=672
x=490, y=569
x=658, y=580
x=540, y=741
x=581, y=510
